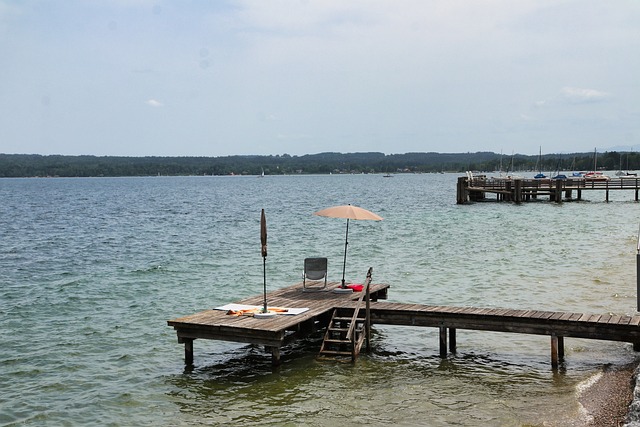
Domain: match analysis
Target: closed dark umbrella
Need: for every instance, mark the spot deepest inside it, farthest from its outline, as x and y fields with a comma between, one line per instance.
x=263, y=246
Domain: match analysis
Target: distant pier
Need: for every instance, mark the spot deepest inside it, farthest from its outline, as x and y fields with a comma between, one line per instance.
x=472, y=188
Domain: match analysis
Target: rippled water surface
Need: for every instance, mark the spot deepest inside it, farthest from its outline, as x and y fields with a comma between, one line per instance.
x=91, y=270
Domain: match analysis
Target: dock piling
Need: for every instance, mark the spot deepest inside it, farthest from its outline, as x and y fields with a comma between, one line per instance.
x=452, y=340
x=188, y=351
x=557, y=350
x=443, y=341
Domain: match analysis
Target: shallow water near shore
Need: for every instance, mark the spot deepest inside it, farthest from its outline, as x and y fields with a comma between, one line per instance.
x=93, y=268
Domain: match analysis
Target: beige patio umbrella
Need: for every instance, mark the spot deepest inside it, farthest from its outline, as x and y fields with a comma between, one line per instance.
x=348, y=212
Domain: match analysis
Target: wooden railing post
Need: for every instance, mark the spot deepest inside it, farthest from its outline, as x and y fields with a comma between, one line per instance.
x=351, y=332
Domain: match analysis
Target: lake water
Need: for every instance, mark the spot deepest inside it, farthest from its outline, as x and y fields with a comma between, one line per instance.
x=91, y=270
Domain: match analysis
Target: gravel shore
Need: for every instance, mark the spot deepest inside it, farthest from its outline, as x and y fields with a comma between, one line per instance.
x=607, y=401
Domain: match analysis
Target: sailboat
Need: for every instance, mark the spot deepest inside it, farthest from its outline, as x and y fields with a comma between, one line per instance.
x=539, y=175
x=511, y=169
x=595, y=175
x=559, y=175
x=626, y=174
x=573, y=168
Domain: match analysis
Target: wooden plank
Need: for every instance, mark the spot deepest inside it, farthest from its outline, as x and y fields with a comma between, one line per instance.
x=624, y=320
x=594, y=318
x=467, y=310
x=500, y=312
x=557, y=315
x=565, y=316
x=604, y=318
x=537, y=314
x=584, y=317
x=635, y=320
x=615, y=319
x=513, y=313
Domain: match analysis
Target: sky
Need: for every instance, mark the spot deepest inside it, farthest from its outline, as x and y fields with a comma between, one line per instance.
x=256, y=77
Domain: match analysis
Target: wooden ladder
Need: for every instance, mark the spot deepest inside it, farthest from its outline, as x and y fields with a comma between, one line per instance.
x=347, y=330
x=337, y=344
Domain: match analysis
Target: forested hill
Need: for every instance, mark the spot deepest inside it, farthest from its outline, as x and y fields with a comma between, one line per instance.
x=33, y=165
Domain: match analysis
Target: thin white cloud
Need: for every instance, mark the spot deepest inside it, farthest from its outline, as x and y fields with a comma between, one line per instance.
x=581, y=95
x=154, y=103
x=573, y=95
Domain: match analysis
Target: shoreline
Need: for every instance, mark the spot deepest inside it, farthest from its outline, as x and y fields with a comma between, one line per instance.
x=607, y=402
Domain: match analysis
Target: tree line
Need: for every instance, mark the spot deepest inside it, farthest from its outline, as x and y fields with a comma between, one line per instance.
x=34, y=165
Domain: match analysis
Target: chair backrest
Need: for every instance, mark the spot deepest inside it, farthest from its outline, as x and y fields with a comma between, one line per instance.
x=315, y=268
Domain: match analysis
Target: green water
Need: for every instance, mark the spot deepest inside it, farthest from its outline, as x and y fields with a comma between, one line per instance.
x=91, y=270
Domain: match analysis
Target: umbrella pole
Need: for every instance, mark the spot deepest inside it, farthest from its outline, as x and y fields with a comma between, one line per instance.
x=344, y=263
x=264, y=276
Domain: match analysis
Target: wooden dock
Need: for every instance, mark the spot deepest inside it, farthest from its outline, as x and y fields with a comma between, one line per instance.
x=276, y=332
x=555, y=324
x=272, y=333
x=475, y=188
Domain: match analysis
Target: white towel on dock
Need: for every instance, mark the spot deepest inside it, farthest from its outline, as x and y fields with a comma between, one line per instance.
x=243, y=307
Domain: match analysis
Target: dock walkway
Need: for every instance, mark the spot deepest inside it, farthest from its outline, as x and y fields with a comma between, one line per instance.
x=276, y=332
x=556, y=324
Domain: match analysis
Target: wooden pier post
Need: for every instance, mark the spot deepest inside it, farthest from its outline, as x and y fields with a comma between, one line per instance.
x=561, y=349
x=558, y=191
x=568, y=194
x=452, y=340
x=554, y=351
x=275, y=356
x=188, y=351
x=557, y=350
x=518, y=190
x=443, y=341
x=461, y=193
